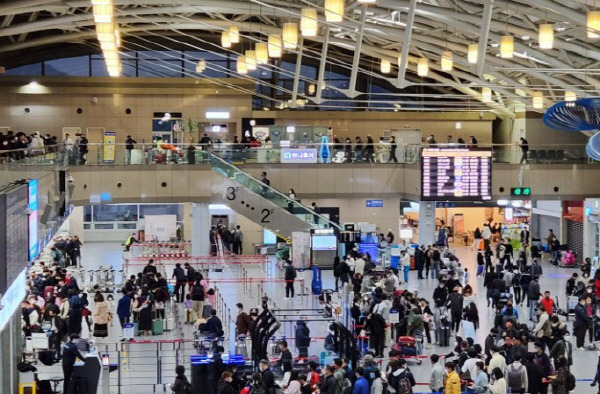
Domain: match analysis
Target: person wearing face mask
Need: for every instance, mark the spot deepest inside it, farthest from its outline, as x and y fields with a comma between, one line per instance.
x=452, y=384
x=582, y=322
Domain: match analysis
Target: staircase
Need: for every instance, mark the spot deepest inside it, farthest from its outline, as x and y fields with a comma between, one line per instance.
x=263, y=204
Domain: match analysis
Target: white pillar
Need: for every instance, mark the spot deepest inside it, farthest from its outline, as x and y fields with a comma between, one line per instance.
x=200, y=229
x=427, y=222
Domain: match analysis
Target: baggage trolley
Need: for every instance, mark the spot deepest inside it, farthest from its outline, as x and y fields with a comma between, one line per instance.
x=409, y=348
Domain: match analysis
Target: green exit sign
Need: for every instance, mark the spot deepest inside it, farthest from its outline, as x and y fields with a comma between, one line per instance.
x=520, y=191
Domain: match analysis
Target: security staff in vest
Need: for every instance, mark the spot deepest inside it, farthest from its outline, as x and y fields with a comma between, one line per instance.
x=130, y=241
x=70, y=354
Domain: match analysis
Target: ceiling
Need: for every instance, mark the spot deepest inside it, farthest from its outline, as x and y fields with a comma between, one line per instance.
x=34, y=30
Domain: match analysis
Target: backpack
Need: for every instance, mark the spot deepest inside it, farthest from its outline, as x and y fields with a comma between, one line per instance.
x=198, y=291
x=514, y=378
x=346, y=384
x=187, y=388
x=516, y=280
x=404, y=386
x=339, y=270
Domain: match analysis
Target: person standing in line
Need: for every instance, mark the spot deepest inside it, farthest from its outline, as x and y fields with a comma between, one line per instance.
x=455, y=304
x=242, y=322
x=393, y=147
x=180, y=281
x=124, y=308
x=405, y=264
x=436, y=379
x=524, y=145
x=191, y=277
x=129, y=145
x=476, y=239
x=582, y=322
x=101, y=316
x=302, y=338
x=358, y=150
x=290, y=276
x=198, y=295
x=452, y=385
x=238, y=240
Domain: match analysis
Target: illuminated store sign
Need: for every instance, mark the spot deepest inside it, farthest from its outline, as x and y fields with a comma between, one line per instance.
x=299, y=156
x=11, y=301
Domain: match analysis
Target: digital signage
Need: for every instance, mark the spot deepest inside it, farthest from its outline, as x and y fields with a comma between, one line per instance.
x=456, y=174
x=33, y=219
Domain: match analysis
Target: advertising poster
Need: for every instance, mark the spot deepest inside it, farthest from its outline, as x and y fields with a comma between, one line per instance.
x=109, y=147
x=301, y=249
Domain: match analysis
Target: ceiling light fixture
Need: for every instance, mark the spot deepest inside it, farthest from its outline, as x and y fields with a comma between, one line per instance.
x=274, y=44
x=334, y=10
x=386, y=66
x=546, y=35
x=486, y=94
x=593, y=24
x=423, y=67
x=234, y=34
x=570, y=96
x=309, y=23
x=446, y=61
x=472, y=53
x=507, y=47
x=262, y=52
x=225, y=39
x=538, y=100
x=290, y=35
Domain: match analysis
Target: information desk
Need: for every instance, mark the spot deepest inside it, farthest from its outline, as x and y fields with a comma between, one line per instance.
x=456, y=174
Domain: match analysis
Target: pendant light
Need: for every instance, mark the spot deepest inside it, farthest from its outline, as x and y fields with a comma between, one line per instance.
x=486, y=94
x=103, y=13
x=262, y=52
x=593, y=24
x=274, y=45
x=546, y=35
x=472, y=53
x=241, y=66
x=250, y=60
x=234, y=34
x=290, y=35
x=507, y=47
x=446, y=61
x=106, y=32
x=386, y=66
x=309, y=23
x=225, y=39
x=570, y=96
x=538, y=100
x=334, y=10
x=399, y=59
x=423, y=67
x=201, y=66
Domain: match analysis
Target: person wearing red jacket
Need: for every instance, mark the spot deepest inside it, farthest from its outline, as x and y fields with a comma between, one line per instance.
x=548, y=303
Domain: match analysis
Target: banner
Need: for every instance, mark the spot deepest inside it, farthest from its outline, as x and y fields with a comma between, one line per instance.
x=109, y=147
x=301, y=249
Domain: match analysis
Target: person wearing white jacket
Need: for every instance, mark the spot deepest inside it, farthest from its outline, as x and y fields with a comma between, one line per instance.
x=497, y=361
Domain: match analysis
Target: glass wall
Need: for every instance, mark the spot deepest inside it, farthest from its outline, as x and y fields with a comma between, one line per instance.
x=125, y=216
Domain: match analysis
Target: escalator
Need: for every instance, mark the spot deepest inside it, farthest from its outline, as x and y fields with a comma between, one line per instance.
x=264, y=204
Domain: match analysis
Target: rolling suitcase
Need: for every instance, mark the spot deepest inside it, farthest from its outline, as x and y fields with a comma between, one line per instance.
x=157, y=327
x=206, y=311
x=169, y=324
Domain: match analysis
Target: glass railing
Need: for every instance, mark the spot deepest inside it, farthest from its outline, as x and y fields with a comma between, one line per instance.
x=246, y=180
x=302, y=153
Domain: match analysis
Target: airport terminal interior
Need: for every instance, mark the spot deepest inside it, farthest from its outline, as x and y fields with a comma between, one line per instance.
x=309, y=196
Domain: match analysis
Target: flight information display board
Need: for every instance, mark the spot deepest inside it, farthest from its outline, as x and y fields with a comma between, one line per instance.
x=456, y=174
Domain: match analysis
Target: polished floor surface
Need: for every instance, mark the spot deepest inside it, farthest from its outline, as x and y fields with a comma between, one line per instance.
x=149, y=363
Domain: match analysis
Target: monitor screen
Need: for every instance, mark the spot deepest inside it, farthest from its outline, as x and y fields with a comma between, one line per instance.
x=324, y=242
x=456, y=174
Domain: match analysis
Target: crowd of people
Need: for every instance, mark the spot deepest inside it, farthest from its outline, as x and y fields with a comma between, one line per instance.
x=17, y=146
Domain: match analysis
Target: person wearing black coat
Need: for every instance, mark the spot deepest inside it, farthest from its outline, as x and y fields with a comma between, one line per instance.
x=455, y=303
x=302, y=338
x=420, y=261
x=330, y=384
x=180, y=281
x=440, y=294
x=376, y=324
x=267, y=377
x=290, y=276
x=534, y=375
x=225, y=386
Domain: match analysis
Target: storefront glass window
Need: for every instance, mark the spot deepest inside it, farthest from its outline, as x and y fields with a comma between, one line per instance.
x=115, y=213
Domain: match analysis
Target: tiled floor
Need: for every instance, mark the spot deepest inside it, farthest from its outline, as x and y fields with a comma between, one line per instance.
x=140, y=371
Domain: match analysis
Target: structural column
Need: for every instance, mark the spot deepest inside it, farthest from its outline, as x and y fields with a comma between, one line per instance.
x=200, y=229
x=427, y=222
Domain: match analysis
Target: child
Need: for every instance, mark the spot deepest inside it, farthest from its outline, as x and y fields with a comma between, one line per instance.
x=467, y=276
x=188, y=309
x=110, y=302
x=210, y=297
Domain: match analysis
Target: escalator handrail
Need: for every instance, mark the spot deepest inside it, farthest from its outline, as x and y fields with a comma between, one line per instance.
x=280, y=194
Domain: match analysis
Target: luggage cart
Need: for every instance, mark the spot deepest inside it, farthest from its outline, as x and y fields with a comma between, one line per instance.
x=409, y=348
